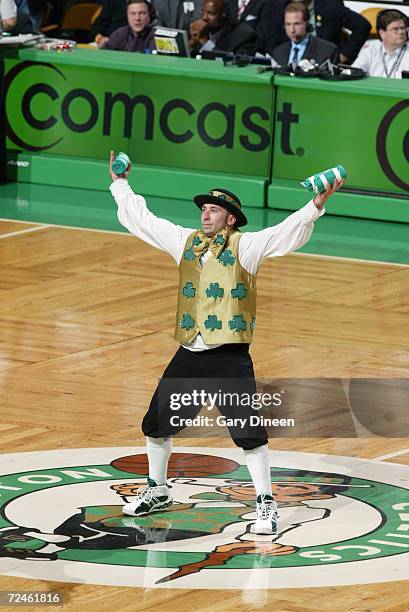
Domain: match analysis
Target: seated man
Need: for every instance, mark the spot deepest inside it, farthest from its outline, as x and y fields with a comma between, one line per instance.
x=112, y=17
x=302, y=44
x=218, y=30
x=177, y=14
x=138, y=35
x=328, y=20
x=388, y=56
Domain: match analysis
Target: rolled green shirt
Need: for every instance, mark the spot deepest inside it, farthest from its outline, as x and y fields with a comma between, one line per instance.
x=321, y=181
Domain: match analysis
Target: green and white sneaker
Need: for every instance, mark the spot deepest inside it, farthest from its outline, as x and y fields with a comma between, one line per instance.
x=267, y=516
x=152, y=498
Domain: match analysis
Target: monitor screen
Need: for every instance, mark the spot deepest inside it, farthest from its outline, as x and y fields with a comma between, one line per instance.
x=171, y=42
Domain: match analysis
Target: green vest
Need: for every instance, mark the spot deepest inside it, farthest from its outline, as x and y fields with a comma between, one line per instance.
x=219, y=299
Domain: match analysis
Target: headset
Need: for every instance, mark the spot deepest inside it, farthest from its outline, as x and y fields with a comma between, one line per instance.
x=151, y=8
x=399, y=15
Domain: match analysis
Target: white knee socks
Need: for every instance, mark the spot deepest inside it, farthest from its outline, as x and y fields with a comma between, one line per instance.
x=159, y=450
x=258, y=465
x=257, y=460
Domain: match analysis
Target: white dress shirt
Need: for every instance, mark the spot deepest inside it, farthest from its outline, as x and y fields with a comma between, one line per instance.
x=254, y=247
x=377, y=62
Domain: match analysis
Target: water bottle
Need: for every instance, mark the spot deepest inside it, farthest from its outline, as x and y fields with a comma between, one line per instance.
x=319, y=182
x=120, y=163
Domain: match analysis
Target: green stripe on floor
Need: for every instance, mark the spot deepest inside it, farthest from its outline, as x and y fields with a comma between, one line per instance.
x=333, y=235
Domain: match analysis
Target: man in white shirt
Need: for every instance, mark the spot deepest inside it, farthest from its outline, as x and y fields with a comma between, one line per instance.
x=389, y=56
x=214, y=324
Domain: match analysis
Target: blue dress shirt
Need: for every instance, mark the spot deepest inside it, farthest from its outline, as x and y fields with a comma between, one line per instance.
x=302, y=45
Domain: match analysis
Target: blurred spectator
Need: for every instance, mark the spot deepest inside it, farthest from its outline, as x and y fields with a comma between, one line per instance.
x=112, y=17
x=218, y=30
x=251, y=12
x=177, y=14
x=328, y=18
x=302, y=44
x=30, y=15
x=138, y=35
x=8, y=15
x=388, y=56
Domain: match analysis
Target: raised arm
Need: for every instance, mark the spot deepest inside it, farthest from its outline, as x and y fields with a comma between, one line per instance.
x=138, y=219
x=286, y=237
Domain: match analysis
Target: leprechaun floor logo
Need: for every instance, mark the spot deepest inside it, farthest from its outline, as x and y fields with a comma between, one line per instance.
x=342, y=520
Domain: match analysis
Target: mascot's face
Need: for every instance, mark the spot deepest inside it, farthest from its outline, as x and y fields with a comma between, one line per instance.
x=214, y=218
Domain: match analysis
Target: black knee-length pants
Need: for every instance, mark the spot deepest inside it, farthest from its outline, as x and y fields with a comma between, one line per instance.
x=228, y=369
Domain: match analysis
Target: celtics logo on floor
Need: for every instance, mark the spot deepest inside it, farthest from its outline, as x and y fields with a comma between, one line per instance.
x=342, y=520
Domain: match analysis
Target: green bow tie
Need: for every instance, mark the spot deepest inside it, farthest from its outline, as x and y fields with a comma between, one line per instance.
x=202, y=243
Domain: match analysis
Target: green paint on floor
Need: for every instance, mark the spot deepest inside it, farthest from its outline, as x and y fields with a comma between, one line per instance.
x=333, y=235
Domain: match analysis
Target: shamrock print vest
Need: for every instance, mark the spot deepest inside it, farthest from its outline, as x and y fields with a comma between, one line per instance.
x=217, y=299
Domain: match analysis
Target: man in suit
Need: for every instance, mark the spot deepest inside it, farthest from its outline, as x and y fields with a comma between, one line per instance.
x=218, y=30
x=328, y=19
x=302, y=44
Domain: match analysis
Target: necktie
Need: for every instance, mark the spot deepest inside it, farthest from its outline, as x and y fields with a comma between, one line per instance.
x=201, y=243
x=295, y=58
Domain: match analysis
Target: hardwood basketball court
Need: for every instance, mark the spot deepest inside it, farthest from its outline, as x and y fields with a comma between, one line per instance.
x=87, y=322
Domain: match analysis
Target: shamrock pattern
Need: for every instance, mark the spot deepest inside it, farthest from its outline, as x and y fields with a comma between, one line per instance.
x=212, y=323
x=214, y=291
x=187, y=322
x=188, y=290
x=239, y=292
